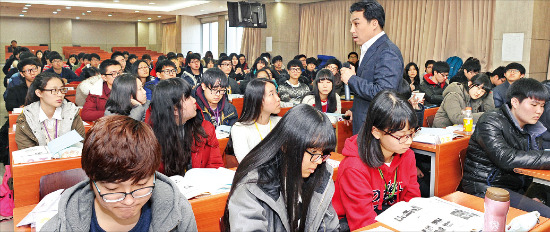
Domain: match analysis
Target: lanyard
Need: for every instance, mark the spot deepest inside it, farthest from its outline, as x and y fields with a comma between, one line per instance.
x=46, y=128
x=394, y=185
x=270, y=128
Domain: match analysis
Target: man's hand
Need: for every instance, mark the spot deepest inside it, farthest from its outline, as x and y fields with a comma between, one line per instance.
x=346, y=73
x=350, y=114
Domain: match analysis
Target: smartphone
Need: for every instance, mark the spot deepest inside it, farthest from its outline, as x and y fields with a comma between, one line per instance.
x=346, y=117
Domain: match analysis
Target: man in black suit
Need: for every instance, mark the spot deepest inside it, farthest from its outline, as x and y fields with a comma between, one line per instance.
x=380, y=64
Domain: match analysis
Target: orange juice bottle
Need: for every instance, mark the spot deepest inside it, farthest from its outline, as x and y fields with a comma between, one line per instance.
x=468, y=121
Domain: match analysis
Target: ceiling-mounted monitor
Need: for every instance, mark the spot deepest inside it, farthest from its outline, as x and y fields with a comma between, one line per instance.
x=245, y=14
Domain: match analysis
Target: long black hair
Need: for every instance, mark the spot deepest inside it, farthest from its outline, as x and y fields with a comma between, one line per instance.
x=124, y=89
x=135, y=67
x=325, y=74
x=253, y=99
x=387, y=112
x=254, y=69
x=176, y=137
x=406, y=74
x=480, y=79
x=278, y=160
x=40, y=82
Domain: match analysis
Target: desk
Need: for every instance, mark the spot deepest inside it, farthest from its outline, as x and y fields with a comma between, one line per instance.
x=445, y=164
x=476, y=203
x=539, y=176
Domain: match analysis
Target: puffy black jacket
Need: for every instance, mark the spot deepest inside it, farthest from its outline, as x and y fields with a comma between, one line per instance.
x=496, y=147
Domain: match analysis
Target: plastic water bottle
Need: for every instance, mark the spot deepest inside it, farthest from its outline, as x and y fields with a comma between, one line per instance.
x=497, y=204
x=468, y=122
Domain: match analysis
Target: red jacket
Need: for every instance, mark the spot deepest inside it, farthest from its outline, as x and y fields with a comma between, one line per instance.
x=360, y=188
x=79, y=70
x=94, y=107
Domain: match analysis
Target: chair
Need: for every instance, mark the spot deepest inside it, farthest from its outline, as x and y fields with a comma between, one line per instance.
x=283, y=111
x=428, y=113
x=461, y=159
x=429, y=121
x=238, y=103
x=343, y=132
x=60, y=180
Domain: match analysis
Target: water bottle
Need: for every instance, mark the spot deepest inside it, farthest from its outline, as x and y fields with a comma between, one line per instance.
x=497, y=204
x=468, y=122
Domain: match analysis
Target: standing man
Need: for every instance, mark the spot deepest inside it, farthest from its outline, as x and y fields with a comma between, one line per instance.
x=380, y=64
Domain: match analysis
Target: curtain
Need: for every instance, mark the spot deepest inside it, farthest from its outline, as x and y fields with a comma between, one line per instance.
x=251, y=43
x=422, y=29
x=168, y=37
x=324, y=30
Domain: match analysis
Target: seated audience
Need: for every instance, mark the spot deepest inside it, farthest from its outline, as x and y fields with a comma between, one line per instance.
x=119, y=56
x=224, y=64
x=123, y=192
x=261, y=104
x=410, y=74
x=212, y=99
x=243, y=63
x=512, y=72
x=85, y=63
x=194, y=70
x=95, y=61
x=79, y=61
x=434, y=85
x=284, y=183
x=323, y=96
x=237, y=72
x=28, y=69
x=141, y=70
x=57, y=67
x=94, y=107
x=210, y=63
x=310, y=72
x=302, y=58
x=292, y=90
x=497, y=76
x=259, y=63
x=164, y=70
x=475, y=93
x=14, y=77
x=267, y=74
x=381, y=150
x=91, y=75
x=469, y=69
x=46, y=115
x=506, y=138
x=353, y=59
x=72, y=61
x=179, y=70
x=279, y=73
x=334, y=65
x=127, y=98
x=428, y=67
x=132, y=58
x=186, y=140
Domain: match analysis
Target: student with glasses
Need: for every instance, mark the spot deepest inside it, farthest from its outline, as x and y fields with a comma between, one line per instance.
x=193, y=70
x=124, y=192
x=57, y=67
x=292, y=90
x=512, y=72
x=212, y=98
x=141, y=69
x=224, y=64
x=434, y=85
x=284, y=183
x=379, y=167
x=28, y=68
x=94, y=107
x=334, y=65
x=165, y=69
x=47, y=115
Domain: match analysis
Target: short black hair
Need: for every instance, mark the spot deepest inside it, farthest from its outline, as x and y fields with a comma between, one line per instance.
x=25, y=54
x=180, y=54
x=526, y=88
x=164, y=63
x=90, y=72
x=266, y=54
x=471, y=65
x=170, y=54
x=311, y=60
x=126, y=53
x=297, y=57
x=80, y=55
x=334, y=61
x=25, y=62
x=499, y=72
x=441, y=67
x=94, y=55
x=116, y=54
x=212, y=75
x=371, y=10
x=13, y=41
x=428, y=62
x=294, y=63
x=277, y=58
x=222, y=59
x=353, y=53
x=516, y=66
x=192, y=56
x=53, y=56
x=481, y=79
x=146, y=57
x=106, y=63
x=132, y=56
x=87, y=57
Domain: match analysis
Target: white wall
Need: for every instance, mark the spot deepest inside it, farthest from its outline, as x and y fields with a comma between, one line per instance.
x=27, y=31
x=104, y=34
x=190, y=34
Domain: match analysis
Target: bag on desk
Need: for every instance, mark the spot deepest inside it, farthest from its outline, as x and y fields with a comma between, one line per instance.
x=6, y=194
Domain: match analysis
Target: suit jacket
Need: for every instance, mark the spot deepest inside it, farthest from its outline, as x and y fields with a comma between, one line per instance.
x=381, y=68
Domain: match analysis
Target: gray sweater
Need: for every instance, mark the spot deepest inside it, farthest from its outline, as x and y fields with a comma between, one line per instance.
x=170, y=209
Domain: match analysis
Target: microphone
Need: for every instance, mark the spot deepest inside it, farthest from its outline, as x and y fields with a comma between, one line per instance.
x=346, y=87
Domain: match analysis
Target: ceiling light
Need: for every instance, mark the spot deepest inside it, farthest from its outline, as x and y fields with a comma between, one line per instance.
x=109, y=15
x=77, y=17
x=137, y=11
x=55, y=12
x=277, y=0
x=89, y=11
x=159, y=16
x=58, y=9
x=151, y=3
x=68, y=7
x=28, y=5
x=25, y=8
x=24, y=11
x=21, y=15
x=83, y=13
x=116, y=1
x=139, y=20
x=202, y=10
x=149, y=18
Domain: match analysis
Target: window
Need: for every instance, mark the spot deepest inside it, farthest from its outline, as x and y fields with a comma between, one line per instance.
x=234, y=36
x=210, y=38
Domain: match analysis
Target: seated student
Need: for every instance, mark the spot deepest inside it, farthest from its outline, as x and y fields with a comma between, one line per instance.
x=72, y=61
x=119, y=56
x=323, y=96
x=186, y=140
x=278, y=70
x=141, y=70
x=91, y=75
x=210, y=63
x=508, y=138
x=194, y=70
x=28, y=69
x=497, y=76
x=334, y=65
x=435, y=84
x=512, y=72
x=353, y=59
x=123, y=192
x=302, y=58
x=283, y=184
x=267, y=74
x=127, y=98
x=94, y=107
x=310, y=72
x=259, y=63
x=85, y=63
x=237, y=72
x=470, y=68
x=164, y=70
x=243, y=64
x=95, y=61
x=292, y=90
x=381, y=150
x=212, y=100
x=224, y=64
x=261, y=104
x=410, y=74
x=132, y=58
x=57, y=67
x=475, y=93
x=179, y=70
x=428, y=67
x=46, y=115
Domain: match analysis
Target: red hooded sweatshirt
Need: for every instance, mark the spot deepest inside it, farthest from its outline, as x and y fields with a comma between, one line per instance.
x=360, y=189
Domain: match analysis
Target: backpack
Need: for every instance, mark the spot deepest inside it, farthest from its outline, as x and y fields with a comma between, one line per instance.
x=6, y=194
x=454, y=63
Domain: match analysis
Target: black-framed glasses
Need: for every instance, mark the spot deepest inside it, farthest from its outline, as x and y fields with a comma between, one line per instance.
x=169, y=71
x=294, y=69
x=218, y=91
x=404, y=138
x=113, y=74
x=119, y=196
x=225, y=64
x=28, y=71
x=63, y=90
x=315, y=157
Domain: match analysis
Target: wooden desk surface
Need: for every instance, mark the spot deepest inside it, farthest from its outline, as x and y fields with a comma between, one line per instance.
x=540, y=174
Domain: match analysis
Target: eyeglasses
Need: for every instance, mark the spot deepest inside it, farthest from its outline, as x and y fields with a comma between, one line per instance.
x=315, y=157
x=28, y=71
x=113, y=74
x=169, y=71
x=513, y=71
x=116, y=197
x=218, y=91
x=295, y=69
x=63, y=90
x=404, y=138
x=225, y=64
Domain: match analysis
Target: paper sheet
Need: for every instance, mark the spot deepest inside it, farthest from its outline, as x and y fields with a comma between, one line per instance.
x=64, y=141
x=512, y=46
x=199, y=181
x=43, y=211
